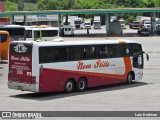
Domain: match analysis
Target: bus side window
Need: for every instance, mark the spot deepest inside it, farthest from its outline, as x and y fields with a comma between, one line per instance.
x=56, y=55
x=91, y=52
x=111, y=51
x=127, y=51
x=48, y=54
x=84, y=53
x=137, y=50
x=71, y=53
x=105, y=51
x=45, y=55
x=119, y=50
x=28, y=33
x=37, y=34
x=99, y=51
x=63, y=53
x=78, y=53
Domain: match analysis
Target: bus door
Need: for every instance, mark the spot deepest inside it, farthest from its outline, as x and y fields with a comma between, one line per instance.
x=137, y=60
x=37, y=35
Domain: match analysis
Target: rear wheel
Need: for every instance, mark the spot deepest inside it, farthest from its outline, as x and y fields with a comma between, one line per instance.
x=81, y=85
x=129, y=78
x=69, y=86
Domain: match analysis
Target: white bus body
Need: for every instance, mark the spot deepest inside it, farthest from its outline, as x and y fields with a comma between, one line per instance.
x=62, y=66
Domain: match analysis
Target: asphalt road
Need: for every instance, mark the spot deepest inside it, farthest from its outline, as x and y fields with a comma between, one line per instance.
x=142, y=95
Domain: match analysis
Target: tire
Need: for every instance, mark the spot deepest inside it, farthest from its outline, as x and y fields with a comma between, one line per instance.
x=81, y=85
x=69, y=86
x=129, y=78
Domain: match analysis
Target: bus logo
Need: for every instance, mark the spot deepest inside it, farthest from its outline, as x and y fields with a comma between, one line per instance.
x=20, y=48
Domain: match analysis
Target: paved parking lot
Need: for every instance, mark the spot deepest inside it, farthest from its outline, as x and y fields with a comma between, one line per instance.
x=142, y=95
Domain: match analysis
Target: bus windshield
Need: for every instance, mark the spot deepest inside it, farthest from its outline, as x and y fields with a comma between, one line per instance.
x=16, y=33
x=3, y=38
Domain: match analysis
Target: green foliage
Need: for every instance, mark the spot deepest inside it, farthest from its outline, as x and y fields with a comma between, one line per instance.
x=30, y=6
x=78, y=4
x=10, y=6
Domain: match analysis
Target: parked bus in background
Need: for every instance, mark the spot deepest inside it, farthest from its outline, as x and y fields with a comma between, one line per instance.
x=16, y=32
x=31, y=33
x=44, y=33
x=4, y=45
x=73, y=65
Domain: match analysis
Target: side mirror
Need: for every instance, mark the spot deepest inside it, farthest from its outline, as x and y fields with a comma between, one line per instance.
x=147, y=56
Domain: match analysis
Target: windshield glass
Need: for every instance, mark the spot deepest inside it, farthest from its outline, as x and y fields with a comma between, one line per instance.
x=3, y=38
x=145, y=30
x=136, y=22
x=87, y=24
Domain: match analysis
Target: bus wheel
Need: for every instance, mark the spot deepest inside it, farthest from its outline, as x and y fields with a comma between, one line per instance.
x=129, y=78
x=81, y=84
x=69, y=86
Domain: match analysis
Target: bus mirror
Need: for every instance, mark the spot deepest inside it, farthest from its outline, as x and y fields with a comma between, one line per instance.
x=147, y=56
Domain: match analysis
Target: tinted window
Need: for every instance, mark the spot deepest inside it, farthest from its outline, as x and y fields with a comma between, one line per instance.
x=78, y=53
x=49, y=54
x=64, y=53
x=105, y=51
x=45, y=55
x=49, y=33
x=127, y=50
x=99, y=51
x=28, y=33
x=3, y=38
x=91, y=52
x=15, y=31
x=111, y=51
x=137, y=50
x=84, y=52
x=56, y=54
x=19, y=31
x=36, y=34
x=119, y=50
x=71, y=53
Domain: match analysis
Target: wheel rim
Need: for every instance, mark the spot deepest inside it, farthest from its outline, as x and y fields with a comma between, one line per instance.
x=69, y=86
x=81, y=84
x=129, y=78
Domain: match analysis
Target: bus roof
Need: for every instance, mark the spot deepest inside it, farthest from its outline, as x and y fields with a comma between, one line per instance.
x=41, y=28
x=4, y=32
x=12, y=26
x=31, y=27
x=79, y=42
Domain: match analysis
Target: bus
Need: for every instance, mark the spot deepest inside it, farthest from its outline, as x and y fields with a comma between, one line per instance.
x=44, y=33
x=4, y=45
x=54, y=66
x=31, y=33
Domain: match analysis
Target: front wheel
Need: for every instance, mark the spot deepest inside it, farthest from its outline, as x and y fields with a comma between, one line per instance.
x=69, y=86
x=129, y=78
x=81, y=85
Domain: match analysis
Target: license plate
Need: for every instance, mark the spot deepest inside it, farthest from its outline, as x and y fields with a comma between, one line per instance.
x=19, y=87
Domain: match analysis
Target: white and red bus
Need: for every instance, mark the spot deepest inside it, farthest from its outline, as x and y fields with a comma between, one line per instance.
x=73, y=65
